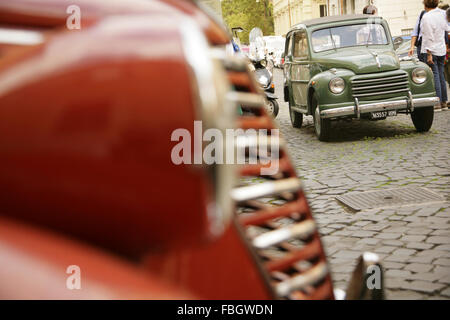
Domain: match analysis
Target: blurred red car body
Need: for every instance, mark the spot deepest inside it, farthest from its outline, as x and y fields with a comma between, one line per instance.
x=86, y=177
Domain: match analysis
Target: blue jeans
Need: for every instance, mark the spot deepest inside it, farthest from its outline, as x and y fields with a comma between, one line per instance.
x=439, y=78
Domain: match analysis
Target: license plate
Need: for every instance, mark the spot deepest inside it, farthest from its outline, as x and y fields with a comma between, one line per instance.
x=383, y=114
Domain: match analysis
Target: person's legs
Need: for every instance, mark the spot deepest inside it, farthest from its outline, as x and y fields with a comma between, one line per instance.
x=446, y=72
x=437, y=81
x=443, y=84
x=447, y=76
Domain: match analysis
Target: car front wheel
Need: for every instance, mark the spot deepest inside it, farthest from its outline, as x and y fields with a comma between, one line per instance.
x=272, y=107
x=423, y=118
x=321, y=126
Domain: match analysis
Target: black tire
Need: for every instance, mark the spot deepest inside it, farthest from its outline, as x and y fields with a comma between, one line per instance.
x=321, y=126
x=273, y=107
x=286, y=93
x=296, y=117
x=423, y=118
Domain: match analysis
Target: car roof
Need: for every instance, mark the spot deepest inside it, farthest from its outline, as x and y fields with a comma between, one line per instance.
x=331, y=19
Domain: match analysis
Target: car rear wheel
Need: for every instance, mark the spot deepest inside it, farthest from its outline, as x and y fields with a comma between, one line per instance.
x=296, y=118
x=321, y=126
x=423, y=118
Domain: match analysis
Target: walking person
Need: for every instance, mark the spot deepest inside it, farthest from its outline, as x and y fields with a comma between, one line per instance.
x=434, y=26
x=416, y=38
x=370, y=9
x=447, y=62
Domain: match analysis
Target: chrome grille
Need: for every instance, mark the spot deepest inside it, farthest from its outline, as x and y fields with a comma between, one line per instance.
x=369, y=87
x=274, y=214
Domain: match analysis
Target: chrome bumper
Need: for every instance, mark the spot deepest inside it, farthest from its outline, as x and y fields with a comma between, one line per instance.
x=358, y=109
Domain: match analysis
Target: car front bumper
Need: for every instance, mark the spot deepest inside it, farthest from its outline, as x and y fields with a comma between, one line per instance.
x=357, y=109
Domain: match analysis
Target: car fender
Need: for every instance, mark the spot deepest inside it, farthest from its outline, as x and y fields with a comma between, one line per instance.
x=425, y=88
x=270, y=95
x=319, y=85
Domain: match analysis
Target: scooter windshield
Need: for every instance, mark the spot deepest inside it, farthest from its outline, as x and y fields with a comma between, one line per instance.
x=257, y=45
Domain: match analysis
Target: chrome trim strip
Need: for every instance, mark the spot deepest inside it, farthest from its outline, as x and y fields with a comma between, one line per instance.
x=231, y=63
x=300, y=81
x=300, y=230
x=262, y=142
x=21, y=37
x=299, y=109
x=356, y=81
x=380, y=93
x=265, y=189
x=246, y=99
x=411, y=101
x=307, y=278
x=379, y=106
x=357, y=109
x=425, y=102
x=386, y=85
x=215, y=111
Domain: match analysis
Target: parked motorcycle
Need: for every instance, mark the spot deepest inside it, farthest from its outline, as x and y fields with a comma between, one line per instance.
x=262, y=73
x=265, y=80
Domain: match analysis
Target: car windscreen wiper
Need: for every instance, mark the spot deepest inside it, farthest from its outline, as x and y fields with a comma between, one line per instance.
x=332, y=40
x=368, y=37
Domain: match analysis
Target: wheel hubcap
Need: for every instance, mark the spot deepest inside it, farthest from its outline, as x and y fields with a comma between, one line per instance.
x=269, y=106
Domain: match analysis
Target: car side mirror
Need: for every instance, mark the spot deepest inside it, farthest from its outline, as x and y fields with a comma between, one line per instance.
x=398, y=42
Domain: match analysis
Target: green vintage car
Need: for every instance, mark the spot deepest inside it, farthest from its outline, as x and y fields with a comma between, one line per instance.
x=346, y=67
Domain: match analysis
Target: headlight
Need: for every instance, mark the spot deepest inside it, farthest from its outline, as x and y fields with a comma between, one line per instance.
x=263, y=80
x=263, y=62
x=337, y=85
x=419, y=75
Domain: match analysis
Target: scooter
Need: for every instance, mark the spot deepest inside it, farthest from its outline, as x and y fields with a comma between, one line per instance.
x=265, y=79
x=262, y=74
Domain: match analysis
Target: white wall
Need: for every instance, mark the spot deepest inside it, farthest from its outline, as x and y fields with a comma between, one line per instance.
x=400, y=14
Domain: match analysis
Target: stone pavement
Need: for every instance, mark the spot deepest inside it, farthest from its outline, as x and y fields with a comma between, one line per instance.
x=413, y=242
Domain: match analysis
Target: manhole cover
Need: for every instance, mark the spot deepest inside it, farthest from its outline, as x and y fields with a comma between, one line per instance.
x=388, y=198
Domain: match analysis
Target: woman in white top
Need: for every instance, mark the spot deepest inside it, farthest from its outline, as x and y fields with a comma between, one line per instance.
x=434, y=26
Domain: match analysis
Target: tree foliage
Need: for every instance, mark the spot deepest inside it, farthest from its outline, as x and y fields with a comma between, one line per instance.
x=248, y=14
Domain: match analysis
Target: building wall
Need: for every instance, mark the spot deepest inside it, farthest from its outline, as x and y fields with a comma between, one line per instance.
x=400, y=14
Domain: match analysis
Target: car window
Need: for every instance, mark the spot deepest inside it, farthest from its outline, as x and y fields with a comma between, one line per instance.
x=348, y=36
x=288, y=46
x=300, y=45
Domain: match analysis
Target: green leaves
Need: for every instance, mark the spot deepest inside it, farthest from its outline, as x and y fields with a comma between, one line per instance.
x=248, y=14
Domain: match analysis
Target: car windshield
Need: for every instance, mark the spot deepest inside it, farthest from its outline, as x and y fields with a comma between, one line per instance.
x=348, y=36
x=404, y=47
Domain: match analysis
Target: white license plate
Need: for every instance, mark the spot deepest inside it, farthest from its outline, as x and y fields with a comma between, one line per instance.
x=383, y=114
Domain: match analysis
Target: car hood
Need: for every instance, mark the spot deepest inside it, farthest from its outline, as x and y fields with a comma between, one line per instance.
x=361, y=60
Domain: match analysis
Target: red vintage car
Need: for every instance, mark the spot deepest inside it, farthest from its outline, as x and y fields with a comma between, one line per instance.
x=87, y=185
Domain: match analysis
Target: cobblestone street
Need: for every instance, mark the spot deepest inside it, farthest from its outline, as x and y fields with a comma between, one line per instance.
x=414, y=241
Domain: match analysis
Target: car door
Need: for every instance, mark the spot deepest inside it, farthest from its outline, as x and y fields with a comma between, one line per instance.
x=300, y=70
x=287, y=60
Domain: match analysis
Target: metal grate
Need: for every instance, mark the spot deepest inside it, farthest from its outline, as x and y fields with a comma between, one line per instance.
x=366, y=88
x=388, y=198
